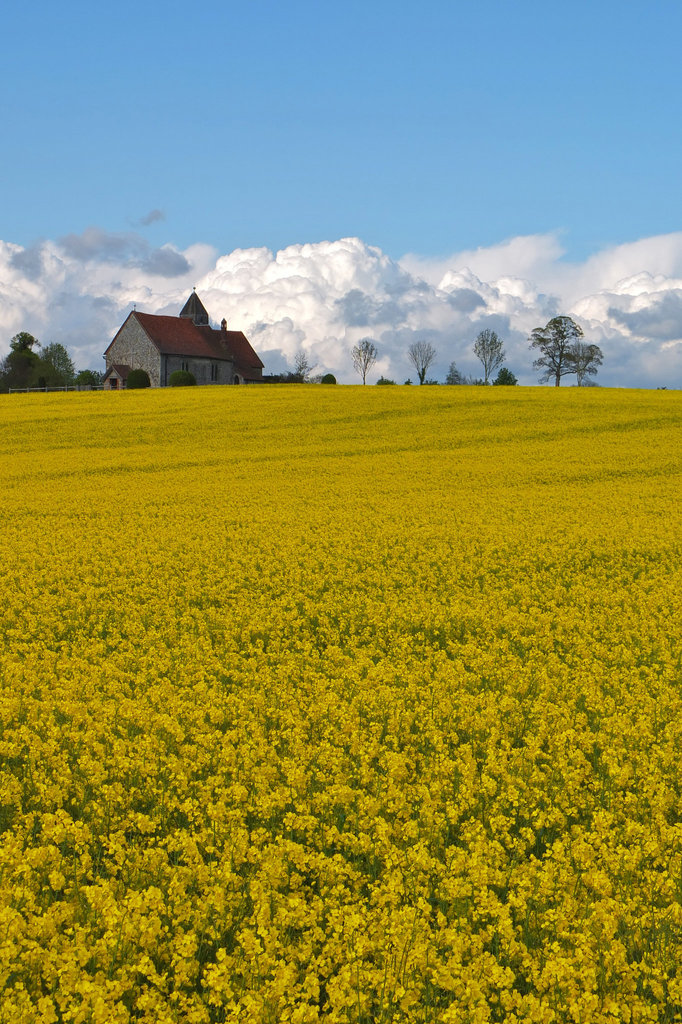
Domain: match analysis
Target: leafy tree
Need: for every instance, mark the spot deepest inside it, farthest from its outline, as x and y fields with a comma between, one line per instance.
x=555, y=342
x=364, y=356
x=25, y=368
x=23, y=342
x=93, y=378
x=59, y=359
x=21, y=366
x=453, y=376
x=17, y=369
x=45, y=375
x=505, y=378
x=586, y=360
x=328, y=378
x=385, y=380
x=138, y=379
x=489, y=349
x=421, y=354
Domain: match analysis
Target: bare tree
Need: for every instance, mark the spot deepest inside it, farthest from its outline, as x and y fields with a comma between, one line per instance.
x=421, y=354
x=488, y=348
x=586, y=360
x=364, y=357
x=302, y=365
x=555, y=342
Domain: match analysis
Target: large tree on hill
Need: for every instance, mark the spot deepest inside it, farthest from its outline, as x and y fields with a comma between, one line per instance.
x=586, y=361
x=23, y=342
x=489, y=349
x=364, y=356
x=555, y=343
x=59, y=359
x=421, y=354
x=19, y=368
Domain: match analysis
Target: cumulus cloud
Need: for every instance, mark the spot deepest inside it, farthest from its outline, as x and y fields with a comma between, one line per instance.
x=96, y=245
x=660, y=318
x=525, y=258
x=28, y=261
x=324, y=297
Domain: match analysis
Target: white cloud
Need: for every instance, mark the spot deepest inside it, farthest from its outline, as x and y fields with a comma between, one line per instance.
x=526, y=256
x=324, y=297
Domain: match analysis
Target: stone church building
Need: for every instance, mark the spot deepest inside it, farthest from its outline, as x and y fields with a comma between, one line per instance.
x=162, y=344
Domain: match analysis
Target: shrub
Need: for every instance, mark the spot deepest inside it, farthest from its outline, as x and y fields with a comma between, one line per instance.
x=328, y=378
x=181, y=379
x=138, y=379
x=505, y=378
x=385, y=380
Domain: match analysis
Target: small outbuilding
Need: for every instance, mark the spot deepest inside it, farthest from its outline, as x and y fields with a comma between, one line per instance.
x=162, y=344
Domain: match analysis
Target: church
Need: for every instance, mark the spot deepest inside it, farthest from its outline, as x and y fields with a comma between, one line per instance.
x=162, y=344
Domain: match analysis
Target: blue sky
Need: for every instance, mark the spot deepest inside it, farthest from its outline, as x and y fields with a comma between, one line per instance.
x=420, y=127
x=326, y=172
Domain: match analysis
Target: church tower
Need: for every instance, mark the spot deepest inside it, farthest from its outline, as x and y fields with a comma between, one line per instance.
x=194, y=310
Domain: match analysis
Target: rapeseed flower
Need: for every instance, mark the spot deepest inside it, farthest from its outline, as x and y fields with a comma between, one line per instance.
x=341, y=705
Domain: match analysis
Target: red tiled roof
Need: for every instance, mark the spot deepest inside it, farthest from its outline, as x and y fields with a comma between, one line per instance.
x=245, y=358
x=178, y=336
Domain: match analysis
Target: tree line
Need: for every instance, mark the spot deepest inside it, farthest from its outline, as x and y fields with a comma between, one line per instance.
x=32, y=365
x=559, y=345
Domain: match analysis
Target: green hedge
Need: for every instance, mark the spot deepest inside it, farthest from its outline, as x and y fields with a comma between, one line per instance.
x=181, y=379
x=138, y=379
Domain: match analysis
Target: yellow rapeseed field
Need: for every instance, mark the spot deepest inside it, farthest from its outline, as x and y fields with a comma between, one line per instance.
x=341, y=704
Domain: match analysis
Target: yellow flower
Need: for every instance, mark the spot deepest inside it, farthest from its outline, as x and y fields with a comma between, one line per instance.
x=340, y=705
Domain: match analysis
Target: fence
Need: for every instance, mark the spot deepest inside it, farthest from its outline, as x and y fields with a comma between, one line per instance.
x=61, y=387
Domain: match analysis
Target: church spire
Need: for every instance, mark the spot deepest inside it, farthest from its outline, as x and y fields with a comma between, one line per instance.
x=194, y=310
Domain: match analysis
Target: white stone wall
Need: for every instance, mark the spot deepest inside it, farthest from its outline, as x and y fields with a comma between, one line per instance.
x=133, y=348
